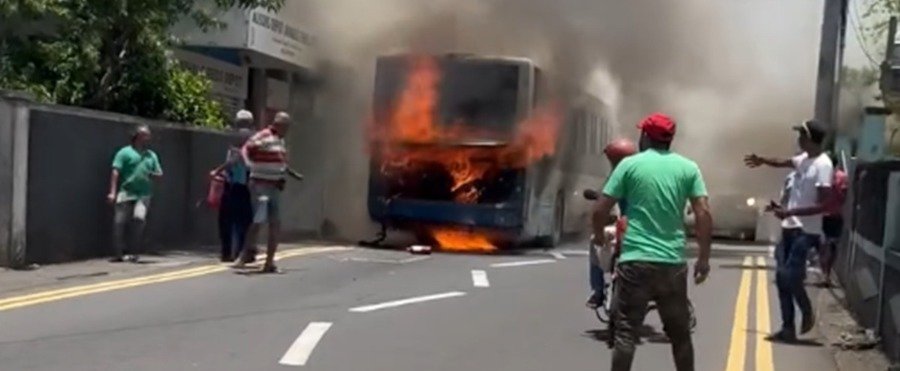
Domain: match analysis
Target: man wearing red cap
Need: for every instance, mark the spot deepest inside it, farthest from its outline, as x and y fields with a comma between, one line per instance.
x=656, y=184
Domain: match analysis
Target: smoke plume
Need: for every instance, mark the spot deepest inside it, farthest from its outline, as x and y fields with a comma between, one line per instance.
x=735, y=74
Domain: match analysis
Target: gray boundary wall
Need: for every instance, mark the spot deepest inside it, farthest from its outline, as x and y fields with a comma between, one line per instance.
x=54, y=175
x=868, y=264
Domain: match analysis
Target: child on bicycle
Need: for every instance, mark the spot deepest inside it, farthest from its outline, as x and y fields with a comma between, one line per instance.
x=615, y=152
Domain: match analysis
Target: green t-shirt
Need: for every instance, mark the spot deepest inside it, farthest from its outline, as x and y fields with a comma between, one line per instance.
x=135, y=168
x=656, y=185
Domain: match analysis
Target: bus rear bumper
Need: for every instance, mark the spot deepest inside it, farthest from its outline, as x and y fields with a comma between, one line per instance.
x=400, y=213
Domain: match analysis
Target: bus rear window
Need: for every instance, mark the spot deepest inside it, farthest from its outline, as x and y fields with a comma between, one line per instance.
x=478, y=94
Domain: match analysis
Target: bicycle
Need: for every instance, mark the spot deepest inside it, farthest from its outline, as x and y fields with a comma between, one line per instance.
x=607, y=259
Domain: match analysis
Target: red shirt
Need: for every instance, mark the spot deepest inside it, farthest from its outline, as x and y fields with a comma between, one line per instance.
x=838, y=194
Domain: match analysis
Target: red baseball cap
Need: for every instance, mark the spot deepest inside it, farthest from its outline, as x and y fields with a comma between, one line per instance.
x=658, y=127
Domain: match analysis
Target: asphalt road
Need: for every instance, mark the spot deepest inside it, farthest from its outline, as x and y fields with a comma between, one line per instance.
x=381, y=310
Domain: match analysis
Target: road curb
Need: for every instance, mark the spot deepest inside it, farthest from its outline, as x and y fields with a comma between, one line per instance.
x=49, y=294
x=833, y=319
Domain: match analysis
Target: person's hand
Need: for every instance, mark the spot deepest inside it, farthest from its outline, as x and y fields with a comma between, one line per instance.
x=295, y=175
x=111, y=198
x=781, y=213
x=753, y=161
x=701, y=271
x=772, y=207
x=213, y=174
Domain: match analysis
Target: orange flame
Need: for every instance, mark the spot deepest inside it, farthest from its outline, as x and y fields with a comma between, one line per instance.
x=458, y=240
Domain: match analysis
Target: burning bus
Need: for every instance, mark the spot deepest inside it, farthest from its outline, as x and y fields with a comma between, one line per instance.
x=475, y=153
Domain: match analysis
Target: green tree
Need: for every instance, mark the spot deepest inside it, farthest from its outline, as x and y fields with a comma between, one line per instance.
x=875, y=22
x=110, y=54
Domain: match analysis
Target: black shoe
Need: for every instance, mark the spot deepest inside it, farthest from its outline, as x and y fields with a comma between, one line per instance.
x=809, y=321
x=595, y=300
x=117, y=259
x=783, y=336
x=133, y=259
x=270, y=269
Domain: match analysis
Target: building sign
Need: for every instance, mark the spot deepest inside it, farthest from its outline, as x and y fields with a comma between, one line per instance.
x=271, y=35
x=229, y=82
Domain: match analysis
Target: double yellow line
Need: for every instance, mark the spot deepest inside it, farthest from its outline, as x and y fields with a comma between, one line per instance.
x=740, y=332
x=75, y=291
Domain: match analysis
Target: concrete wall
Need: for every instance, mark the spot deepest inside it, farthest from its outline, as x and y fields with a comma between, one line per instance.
x=64, y=161
x=70, y=154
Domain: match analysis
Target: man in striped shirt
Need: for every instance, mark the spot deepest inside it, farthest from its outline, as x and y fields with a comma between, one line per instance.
x=265, y=154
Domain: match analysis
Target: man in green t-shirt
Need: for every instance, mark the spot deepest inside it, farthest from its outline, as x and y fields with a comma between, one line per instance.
x=656, y=184
x=134, y=168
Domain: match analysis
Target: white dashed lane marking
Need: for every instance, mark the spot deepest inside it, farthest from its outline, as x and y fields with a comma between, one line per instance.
x=574, y=252
x=299, y=352
x=557, y=255
x=480, y=279
x=397, y=303
x=523, y=263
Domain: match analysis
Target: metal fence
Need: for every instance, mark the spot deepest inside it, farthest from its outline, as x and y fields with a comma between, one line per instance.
x=868, y=264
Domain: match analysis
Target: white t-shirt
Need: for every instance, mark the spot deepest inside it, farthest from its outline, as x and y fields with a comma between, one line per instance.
x=786, y=190
x=809, y=175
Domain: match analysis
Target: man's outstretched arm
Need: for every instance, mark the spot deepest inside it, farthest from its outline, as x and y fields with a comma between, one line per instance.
x=753, y=161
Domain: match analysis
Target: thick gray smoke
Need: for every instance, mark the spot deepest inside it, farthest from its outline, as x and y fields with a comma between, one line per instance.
x=735, y=74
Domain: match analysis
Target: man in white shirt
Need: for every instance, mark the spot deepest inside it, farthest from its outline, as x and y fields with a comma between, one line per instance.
x=801, y=223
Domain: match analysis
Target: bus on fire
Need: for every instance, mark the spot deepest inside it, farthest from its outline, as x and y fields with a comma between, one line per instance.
x=474, y=153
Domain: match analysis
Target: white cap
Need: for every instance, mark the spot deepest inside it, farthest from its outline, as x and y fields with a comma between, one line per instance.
x=244, y=115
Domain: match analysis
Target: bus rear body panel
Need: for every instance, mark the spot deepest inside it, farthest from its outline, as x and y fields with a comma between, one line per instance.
x=487, y=99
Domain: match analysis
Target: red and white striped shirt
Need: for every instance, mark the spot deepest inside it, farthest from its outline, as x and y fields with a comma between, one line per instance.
x=268, y=156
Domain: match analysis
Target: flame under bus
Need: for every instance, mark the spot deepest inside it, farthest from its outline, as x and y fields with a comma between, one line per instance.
x=470, y=151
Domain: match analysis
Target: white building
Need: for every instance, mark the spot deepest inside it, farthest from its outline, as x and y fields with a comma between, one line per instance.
x=260, y=60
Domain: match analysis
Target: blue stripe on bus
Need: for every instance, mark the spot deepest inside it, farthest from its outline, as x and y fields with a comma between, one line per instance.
x=487, y=216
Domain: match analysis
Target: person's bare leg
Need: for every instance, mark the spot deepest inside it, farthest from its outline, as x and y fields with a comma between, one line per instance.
x=272, y=245
x=828, y=257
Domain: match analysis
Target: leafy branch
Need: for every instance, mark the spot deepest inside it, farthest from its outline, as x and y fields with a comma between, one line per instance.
x=110, y=54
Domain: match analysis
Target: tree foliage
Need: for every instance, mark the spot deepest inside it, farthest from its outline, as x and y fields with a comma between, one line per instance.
x=858, y=77
x=110, y=54
x=876, y=17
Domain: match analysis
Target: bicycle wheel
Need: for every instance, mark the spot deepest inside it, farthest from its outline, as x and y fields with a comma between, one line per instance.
x=602, y=314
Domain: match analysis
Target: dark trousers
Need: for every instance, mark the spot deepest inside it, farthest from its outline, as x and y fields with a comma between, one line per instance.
x=127, y=219
x=790, y=257
x=595, y=273
x=638, y=283
x=235, y=216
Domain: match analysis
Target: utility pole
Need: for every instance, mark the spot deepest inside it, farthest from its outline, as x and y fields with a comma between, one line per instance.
x=830, y=55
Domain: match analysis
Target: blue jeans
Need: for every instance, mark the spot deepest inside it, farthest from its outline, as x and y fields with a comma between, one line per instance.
x=595, y=273
x=790, y=274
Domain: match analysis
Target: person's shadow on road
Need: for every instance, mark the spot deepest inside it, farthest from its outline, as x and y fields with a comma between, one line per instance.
x=645, y=333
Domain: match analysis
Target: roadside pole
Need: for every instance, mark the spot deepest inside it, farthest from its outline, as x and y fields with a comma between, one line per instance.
x=830, y=55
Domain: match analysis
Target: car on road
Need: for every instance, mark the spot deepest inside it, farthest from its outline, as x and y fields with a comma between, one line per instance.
x=734, y=215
